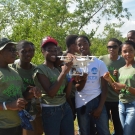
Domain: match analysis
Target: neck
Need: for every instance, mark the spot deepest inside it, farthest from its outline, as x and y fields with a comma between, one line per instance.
x=71, y=51
x=49, y=64
x=89, y=54
x=25, y=65
x=129, y=63
x=113, y=57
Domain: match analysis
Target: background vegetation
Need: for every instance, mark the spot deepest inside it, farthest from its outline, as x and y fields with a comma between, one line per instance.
x=33, y=19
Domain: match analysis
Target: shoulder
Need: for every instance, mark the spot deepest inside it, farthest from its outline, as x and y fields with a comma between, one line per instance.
x=13, y=70
x=122, y=59
x=33, y=65
x=103, y=57
x=122, y=68
x=41, y=69
x=98, y=61
x=41, y=66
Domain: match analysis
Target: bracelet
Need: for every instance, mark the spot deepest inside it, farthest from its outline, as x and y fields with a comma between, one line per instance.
x=4, y=106
x=126, y=87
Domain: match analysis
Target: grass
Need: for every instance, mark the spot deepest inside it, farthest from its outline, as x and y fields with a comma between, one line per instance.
x=76, y=127
x=110, y=126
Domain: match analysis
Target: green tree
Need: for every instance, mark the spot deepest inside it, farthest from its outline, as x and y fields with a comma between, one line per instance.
x=34, y=19
x=99, y=43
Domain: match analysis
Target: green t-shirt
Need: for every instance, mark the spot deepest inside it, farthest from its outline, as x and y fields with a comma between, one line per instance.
x=112, y=96
x=27, y=78
x=127, y=76
x=11, y=88
x=52, y=75
x=26, y=75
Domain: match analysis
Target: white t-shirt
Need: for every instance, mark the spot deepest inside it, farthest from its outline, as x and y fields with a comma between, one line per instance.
x=92, y=89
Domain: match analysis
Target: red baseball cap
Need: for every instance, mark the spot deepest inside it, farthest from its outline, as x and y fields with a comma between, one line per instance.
x=48, y=39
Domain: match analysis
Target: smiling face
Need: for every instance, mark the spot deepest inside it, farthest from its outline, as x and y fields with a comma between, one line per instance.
x=128, y=52
x=8, y=54
x=83, y=46
x=113, y=48
x=26, y=53
x=50, y=52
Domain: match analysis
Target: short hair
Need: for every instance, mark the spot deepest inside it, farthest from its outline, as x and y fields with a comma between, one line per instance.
x=115, y=40
x=85, y=37
x=132, y=31
x=129, y=42
x=70, y=39
x=23, y=42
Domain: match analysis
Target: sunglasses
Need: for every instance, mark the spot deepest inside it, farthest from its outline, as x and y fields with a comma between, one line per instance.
x=113, y=47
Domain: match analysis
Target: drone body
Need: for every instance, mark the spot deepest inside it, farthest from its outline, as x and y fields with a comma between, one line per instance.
x=79, y=64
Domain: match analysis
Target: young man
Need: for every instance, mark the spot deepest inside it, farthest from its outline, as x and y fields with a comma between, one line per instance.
x=70, y=43
x=11, y=88
x=131, y=35
x=72, y=49
x=91, y=93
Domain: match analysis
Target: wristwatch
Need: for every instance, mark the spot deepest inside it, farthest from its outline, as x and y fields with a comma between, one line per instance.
x=4, y=106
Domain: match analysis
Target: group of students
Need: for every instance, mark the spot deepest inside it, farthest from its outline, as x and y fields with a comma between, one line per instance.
x=53, y=97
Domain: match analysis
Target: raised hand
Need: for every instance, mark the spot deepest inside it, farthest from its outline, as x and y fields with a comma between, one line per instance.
x=67, y=66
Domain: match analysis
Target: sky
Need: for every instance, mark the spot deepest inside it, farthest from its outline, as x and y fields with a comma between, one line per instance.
x=128, y=25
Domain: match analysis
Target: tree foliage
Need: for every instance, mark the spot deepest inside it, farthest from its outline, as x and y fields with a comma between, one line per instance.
x=34, y=19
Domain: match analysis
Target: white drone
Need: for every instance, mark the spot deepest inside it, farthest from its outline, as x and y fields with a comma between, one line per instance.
x=79, y=62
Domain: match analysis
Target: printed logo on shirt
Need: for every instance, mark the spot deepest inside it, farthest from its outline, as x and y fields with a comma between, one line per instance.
x=13, y=91
x=92, y=78
x=94, y=70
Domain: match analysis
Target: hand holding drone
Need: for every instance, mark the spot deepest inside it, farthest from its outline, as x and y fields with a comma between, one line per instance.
x=79, y=64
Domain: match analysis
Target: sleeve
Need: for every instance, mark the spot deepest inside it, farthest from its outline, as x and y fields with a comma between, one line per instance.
x=100, y=57
x=103, y=68
x=41, y=70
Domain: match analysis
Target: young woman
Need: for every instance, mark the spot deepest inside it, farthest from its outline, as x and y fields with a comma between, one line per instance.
x=114, y=62
x=25, y=52
x=126, y=88
x=89, y=96
x=56, y=113
x=11, y=88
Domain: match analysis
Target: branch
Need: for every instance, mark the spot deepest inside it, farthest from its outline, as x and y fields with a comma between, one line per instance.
x=91, y=16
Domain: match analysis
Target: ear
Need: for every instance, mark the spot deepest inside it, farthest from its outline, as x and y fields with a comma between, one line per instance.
x=42, y=50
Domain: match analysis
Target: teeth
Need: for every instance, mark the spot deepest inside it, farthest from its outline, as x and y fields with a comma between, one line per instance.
x=53, y=56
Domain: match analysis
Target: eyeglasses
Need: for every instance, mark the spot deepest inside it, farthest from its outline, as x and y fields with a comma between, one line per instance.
x=113, y=47
x=12, y=50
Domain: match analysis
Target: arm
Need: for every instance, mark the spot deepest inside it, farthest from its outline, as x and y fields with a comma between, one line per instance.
x=80, y=81
x=51, y=90
x=103, y=93
x=96, y=113
x=106, y=76
x=119, y=86
x=31, y=92
x=68, y=89
x=18, y=104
